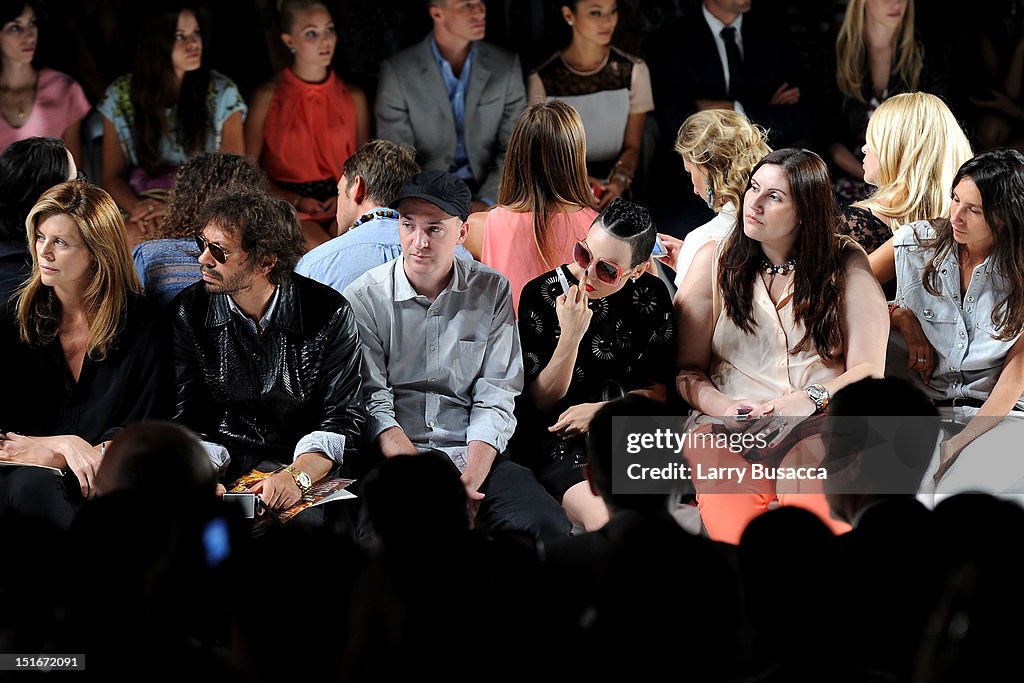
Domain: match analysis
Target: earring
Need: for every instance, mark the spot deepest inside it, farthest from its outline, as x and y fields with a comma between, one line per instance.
x=292, y=50
x=569, y=21
x=710, y=196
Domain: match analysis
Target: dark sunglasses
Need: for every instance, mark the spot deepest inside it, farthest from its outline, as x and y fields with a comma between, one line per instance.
x=604, y=270
x=216, y=251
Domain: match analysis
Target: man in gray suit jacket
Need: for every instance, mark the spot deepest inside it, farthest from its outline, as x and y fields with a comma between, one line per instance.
x=454, y=98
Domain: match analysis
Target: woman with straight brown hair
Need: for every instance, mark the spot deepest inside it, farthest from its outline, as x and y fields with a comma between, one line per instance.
x=776, y=318
x=544, y=200
x=86, y=353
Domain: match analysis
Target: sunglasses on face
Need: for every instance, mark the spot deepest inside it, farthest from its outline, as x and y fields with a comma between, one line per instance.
x=604, y=270
x=216, y=251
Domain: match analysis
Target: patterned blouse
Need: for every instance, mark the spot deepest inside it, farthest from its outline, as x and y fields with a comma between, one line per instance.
x=631, y=340
x=222, y=100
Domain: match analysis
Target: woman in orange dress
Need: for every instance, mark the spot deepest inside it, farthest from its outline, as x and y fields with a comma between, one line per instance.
x=306, y=122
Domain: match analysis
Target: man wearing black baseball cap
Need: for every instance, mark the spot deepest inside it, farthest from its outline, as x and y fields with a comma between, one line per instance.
x=442, y=364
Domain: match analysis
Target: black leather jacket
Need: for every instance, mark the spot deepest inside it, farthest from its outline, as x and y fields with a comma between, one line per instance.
x=259, y=396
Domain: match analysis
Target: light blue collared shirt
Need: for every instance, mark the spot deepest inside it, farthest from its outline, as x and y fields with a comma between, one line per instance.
x=337, y=262
x=456, y=89
x=447, y=372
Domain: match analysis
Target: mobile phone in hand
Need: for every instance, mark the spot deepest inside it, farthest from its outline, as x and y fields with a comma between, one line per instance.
x=659, y=248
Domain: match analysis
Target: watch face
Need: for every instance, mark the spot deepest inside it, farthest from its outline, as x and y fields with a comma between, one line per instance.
x=304, y=480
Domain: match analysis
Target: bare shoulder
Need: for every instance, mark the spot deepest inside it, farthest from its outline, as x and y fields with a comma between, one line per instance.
x=854, y=256
x=263, y=94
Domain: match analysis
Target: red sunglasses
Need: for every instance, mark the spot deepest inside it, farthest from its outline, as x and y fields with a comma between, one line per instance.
x=606, y=271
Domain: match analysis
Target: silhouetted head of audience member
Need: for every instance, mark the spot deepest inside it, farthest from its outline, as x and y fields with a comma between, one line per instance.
x=601, y=446
x=157, y=456
x=880, y=436
x=28, y=168
x=789, y=546
x=974, y=632
x=414, y=500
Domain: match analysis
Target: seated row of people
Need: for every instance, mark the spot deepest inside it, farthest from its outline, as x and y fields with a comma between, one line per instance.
x=545, y=124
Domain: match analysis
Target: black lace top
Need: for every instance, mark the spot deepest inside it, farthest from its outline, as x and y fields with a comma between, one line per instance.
x=864, y=227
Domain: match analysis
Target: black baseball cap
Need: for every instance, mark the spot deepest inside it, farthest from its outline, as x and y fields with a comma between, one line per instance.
x=442, y=189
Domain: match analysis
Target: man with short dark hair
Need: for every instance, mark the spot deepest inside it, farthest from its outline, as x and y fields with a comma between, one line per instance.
x=454, y=98
x=442, y=363
x=267, y=361
x=367, y=228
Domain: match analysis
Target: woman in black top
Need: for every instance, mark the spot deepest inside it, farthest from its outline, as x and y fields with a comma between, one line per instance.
x=86, y=353
x=591, y=331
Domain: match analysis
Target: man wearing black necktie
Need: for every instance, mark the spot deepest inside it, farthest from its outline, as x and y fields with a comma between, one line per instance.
x=719, y=57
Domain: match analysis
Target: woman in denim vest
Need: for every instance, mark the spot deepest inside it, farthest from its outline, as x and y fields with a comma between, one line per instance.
x=959, y=313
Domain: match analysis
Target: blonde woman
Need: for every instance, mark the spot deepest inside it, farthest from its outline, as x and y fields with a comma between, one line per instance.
x=719, y=148
x=84, y=350
x=914, y=148
x=876, y=56
x=544, y=202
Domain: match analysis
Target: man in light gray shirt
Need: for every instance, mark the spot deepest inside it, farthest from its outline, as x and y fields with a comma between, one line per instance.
x=442, y=363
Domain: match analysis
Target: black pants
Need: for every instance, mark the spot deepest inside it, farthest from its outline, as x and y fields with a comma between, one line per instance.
x=515, y=500
x=35, y=492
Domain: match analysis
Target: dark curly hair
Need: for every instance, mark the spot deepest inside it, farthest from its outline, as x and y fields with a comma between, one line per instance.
x=201, y=178
x=632, y=224
x=268, y=227
x=28, y=169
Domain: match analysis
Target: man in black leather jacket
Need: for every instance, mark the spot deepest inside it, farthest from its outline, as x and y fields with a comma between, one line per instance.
x=267, y=361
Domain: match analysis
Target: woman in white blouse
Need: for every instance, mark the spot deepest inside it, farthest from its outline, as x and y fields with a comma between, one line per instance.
x=719, y=148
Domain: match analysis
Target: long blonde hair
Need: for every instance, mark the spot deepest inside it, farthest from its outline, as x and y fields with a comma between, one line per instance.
x=850, y=50
x=546, y=169
x=113, y=275
x=920, y=146
x=727, y=146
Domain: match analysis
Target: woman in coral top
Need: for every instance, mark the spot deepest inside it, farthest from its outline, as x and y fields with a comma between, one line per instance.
x=545, y=204
x=306, y=122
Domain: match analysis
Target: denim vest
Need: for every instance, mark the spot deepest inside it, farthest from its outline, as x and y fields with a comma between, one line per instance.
x=969, y=357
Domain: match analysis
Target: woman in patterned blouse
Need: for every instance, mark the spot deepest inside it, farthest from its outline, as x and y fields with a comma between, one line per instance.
x=592, y=331
x=170, y=107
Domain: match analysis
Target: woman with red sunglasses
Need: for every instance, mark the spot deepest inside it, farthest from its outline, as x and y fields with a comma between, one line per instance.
x=592, y=331
x=778, y=317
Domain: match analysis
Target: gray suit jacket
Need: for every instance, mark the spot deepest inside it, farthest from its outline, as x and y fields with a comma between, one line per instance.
x=413, y=107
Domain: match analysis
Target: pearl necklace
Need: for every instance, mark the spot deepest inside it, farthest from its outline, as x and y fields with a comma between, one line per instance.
x=781, y=269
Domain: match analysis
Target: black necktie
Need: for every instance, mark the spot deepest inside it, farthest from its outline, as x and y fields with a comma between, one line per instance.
x=737, y=83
